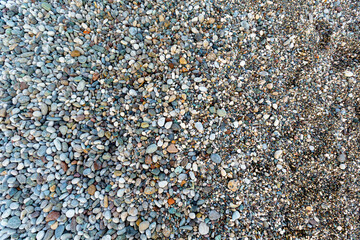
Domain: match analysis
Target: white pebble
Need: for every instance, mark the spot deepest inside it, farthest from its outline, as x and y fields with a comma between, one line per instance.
x=70, y=213
x=278, y=154
x=199, y=126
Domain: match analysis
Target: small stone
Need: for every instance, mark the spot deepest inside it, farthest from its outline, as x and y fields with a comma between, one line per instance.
x=342, y=158
x=342, y=166
x=37, y=114
x=278, y=154
x=263, y=73
x=348, y=74
x=81, y=86
x=132, y=211
x=91, y=190
x=214, y=215
x=143, y=226
x=43, y=108
x=168, y=125
x=221, y=112
x=46, y=6
x=52, y=216
x=75, y=53
x=233, y=185
x=199, y=126
x=14, y=222
x=235, y=216
x=161, y=122
x=78, y=3
x=82, y=59
x=59, y=231
x=151, y=149
x=48, y=207
x=166, y=232
x=149, y=190
x=163, y=184
x=54, y=225
x=203, y=228
x=132, y=218
x=215, y=158
x=133, y=31
x=183, y=61
x=70, y=213
x=172, y=148
x=144, y=125
x=63, y=129
x=2, y=112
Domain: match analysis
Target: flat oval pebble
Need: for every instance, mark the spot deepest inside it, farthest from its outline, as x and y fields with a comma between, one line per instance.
x=163, y=184
x=214, y=215
x=54, y=215
x=215, y=158
x=14, y=222
x=149, y=190
x=221, y=112
x=151, y=149
x=143, y=226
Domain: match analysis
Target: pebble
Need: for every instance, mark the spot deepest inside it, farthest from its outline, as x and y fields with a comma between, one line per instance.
x=149, y=190
x=221, y=112
x=172, y=148
x=81, y=86
x=235, y=216
x=342, y=158
x=348, y=74
x=183, y=61
x=161, y=122
x=46, y=6
x=133, y=211
x=278, y=154
x=70, y=213
x=163, y=184
x=214, y=215
x=215, y=158
x=199, y=126
x=233, y=185
x=54, y=215
x=91, y=189
x=14, y=222
x=151, y=148
x=203, y=228
x=143, y=226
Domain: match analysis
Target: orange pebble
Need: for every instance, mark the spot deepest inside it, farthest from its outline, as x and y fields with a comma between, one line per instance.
x=171, y=201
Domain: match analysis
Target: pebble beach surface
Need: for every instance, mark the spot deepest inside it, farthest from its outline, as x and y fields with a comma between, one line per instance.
x=179, y=119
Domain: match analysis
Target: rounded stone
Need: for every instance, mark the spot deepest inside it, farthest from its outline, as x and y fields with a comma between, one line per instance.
x=70, y=213
x=143, y=226
x=14, y=222
x=203, y=228
x=214, y=215
x=215, y=158
x=151, y=149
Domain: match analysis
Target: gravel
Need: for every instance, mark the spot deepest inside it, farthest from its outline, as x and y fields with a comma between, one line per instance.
x=179, y=119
